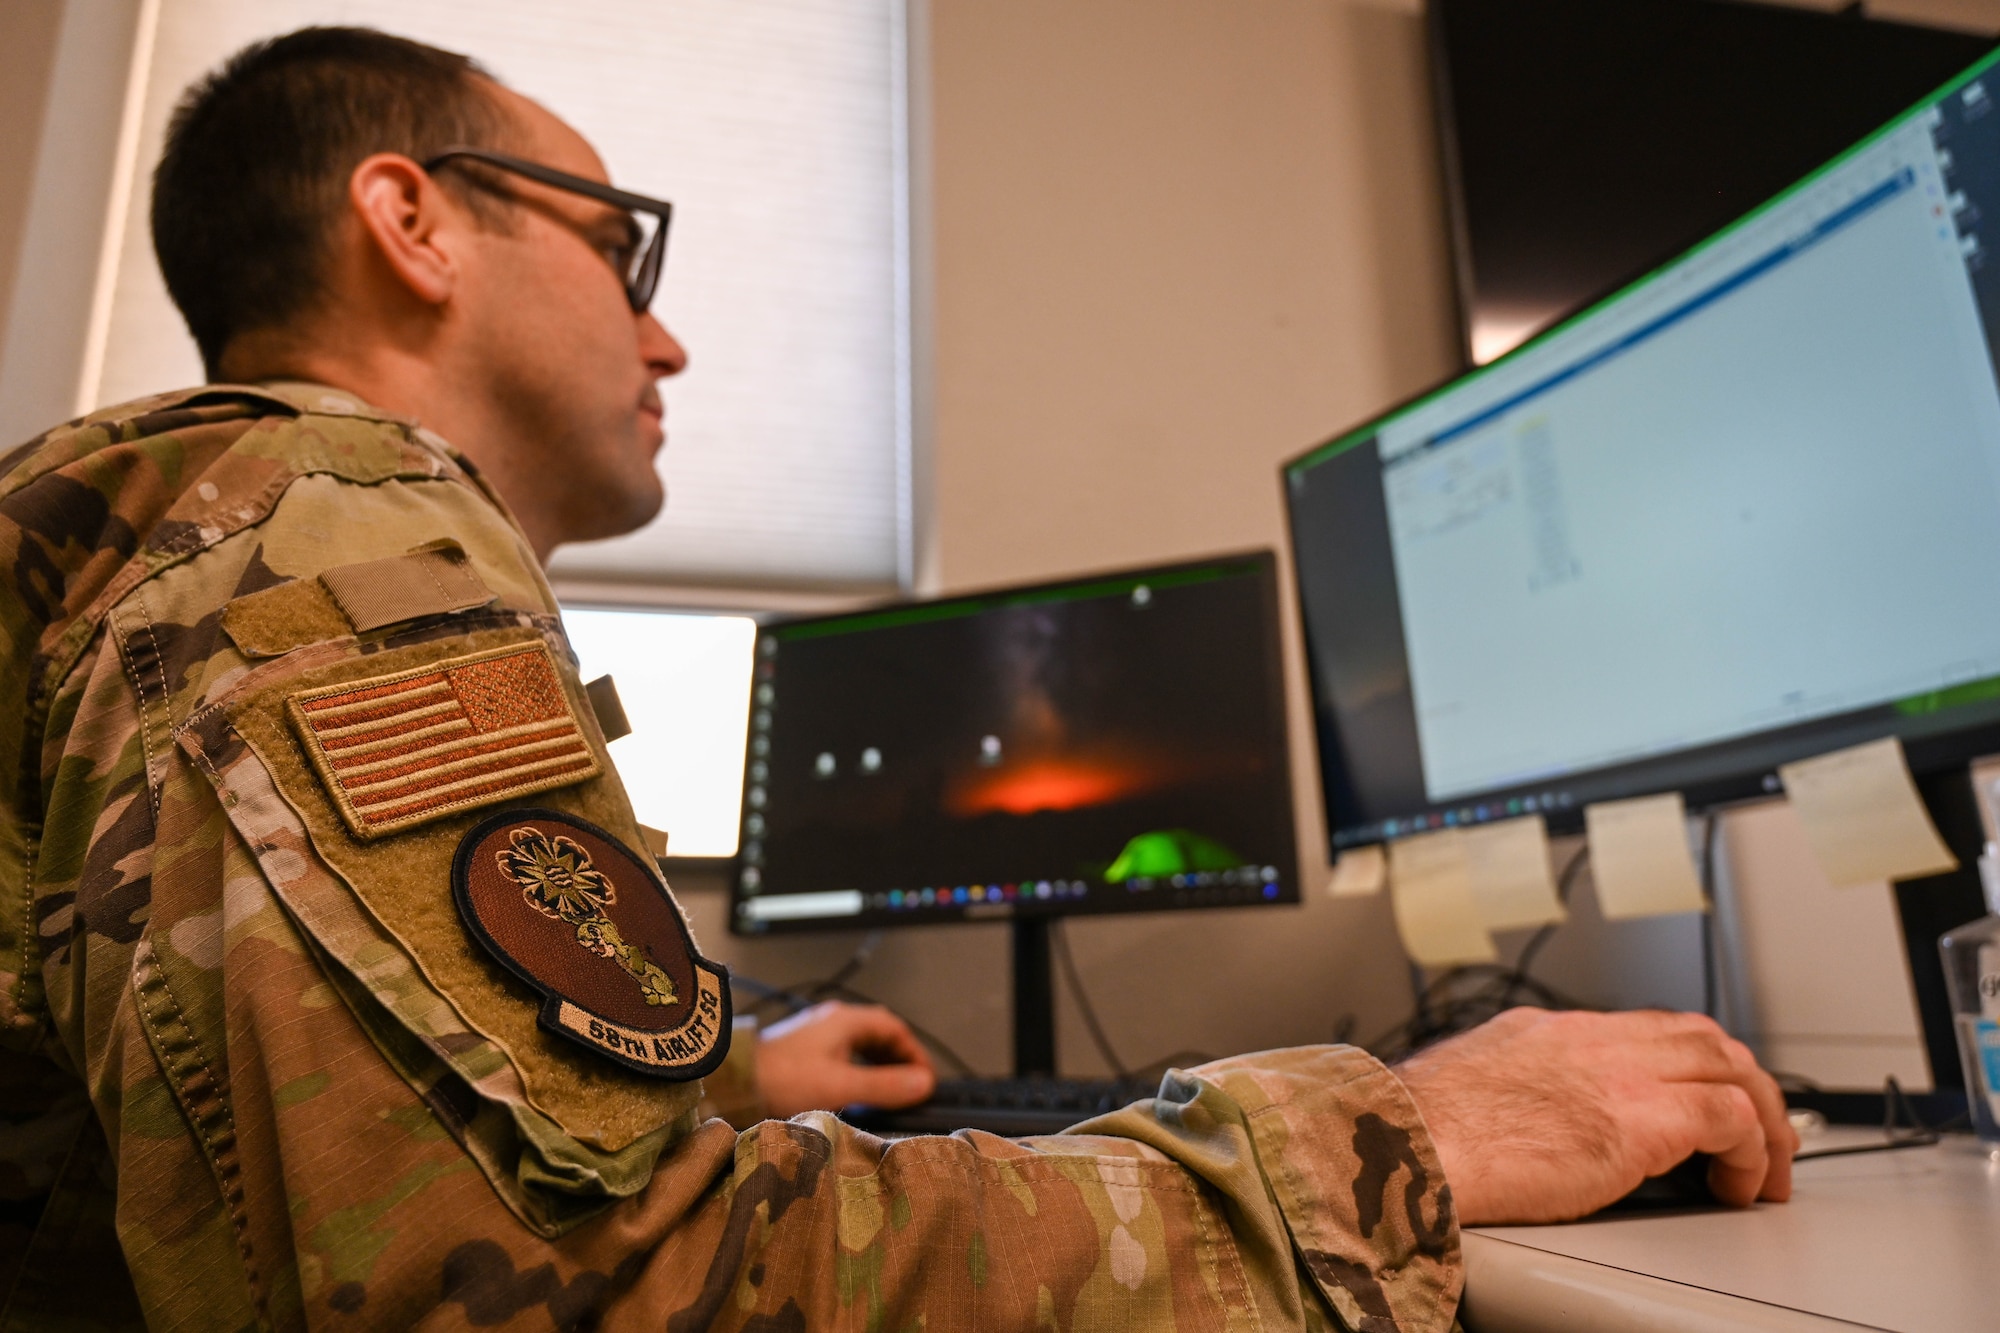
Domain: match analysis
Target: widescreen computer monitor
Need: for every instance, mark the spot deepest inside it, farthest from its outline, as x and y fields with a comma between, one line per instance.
x=1743, y=511
x=1108, y=744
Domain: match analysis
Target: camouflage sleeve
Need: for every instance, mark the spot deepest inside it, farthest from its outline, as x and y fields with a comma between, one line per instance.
x=1194, y=1210
x=318, y=1104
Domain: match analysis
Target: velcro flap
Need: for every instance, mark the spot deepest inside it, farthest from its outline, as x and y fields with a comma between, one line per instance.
x=610, y=710
x=273, y=622
x=433, y=580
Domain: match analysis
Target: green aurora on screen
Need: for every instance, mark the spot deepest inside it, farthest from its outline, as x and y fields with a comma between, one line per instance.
x=1169, y=852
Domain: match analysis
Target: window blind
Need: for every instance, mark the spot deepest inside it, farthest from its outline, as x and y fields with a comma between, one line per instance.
x=777, y=129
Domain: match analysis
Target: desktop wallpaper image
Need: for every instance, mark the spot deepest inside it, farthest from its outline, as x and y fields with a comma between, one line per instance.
x=1118, y=736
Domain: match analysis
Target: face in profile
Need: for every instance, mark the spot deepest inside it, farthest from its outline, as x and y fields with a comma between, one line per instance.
x=573, y=367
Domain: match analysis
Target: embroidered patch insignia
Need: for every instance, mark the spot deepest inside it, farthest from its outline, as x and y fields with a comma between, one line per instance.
x=570, y=910
x=400, y=750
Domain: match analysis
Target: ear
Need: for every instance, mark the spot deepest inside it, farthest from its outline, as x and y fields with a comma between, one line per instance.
x=409, y=223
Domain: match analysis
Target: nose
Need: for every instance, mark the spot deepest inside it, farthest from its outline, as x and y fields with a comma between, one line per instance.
x=660, y=350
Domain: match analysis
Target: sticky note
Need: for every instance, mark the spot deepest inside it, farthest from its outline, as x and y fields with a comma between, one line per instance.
x=1639, y=857
x=1509, y=863
x=1430, y=889
x=1360, y=872
x=1862, y=816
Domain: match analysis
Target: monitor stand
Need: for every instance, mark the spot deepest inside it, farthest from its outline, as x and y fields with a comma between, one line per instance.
x=1034, y=998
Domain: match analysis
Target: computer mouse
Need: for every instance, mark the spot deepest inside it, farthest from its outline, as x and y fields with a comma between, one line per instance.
x=1685, y=1186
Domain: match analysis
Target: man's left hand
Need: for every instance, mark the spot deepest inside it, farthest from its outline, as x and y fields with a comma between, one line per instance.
x=834, y=1055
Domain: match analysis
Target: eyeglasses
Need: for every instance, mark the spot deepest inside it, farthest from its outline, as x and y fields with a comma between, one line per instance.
x=638, y=262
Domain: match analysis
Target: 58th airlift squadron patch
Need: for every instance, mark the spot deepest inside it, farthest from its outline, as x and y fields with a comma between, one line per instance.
x=575, y=914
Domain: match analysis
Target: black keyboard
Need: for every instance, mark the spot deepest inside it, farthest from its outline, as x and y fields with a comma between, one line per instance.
x=1014, y=1107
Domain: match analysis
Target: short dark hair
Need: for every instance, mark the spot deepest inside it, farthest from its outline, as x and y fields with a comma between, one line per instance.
x=258, y=155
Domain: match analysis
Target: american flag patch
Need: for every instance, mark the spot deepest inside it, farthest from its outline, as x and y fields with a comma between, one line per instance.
x=400, y=750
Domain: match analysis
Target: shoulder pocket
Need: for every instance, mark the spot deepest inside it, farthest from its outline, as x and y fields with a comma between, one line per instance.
x=378, y=905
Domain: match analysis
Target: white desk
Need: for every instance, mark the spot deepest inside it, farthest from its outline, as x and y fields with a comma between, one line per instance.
x=1907, y=1241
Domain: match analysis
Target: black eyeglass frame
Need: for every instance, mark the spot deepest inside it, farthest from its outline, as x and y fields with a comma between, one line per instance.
x=644, y=280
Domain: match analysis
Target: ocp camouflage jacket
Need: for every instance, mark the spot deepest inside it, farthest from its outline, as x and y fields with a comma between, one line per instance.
x=255, y=1072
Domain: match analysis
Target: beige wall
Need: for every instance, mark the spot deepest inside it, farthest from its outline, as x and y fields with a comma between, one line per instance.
x=65, y=126
x=27, y=59
x=1981, y=16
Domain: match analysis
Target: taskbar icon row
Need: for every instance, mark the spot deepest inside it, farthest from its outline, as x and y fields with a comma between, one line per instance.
x=1484, y=813
x=969, y=895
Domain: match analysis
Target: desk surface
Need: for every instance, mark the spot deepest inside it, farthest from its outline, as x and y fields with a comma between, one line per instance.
x=1907, y=1241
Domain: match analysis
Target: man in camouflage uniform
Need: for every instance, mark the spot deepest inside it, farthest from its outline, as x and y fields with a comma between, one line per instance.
x=273, y=1048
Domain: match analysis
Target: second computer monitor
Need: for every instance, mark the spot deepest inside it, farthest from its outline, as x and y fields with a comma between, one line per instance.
x=1108, y=744
x=1744, y=511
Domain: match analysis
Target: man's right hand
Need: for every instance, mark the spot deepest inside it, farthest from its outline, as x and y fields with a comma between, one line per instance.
x=1543, y=1117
